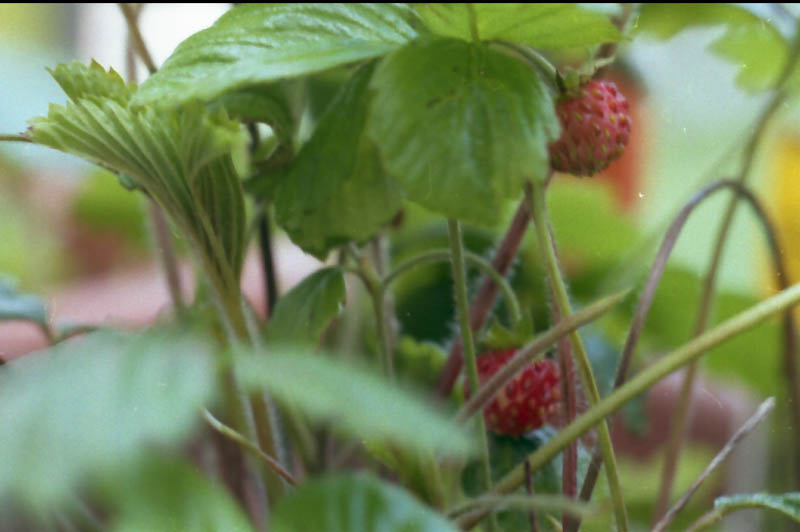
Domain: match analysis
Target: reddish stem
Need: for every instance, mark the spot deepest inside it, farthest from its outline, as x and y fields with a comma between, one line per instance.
x=487, y=293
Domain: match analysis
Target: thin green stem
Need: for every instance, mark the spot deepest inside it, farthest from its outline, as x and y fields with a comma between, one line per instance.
x=534, y=58
x=473, y=23
x=234, y=435
x=462, y=309
x=439, y=255
x=646, y=378
x=547, y=246
x=14, y=138
x=681, y=416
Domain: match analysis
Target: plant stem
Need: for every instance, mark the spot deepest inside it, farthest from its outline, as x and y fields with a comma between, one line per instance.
x=14, y=138
x=437, y=255
x=562, y=303
x=681, y=417
x=534, y=58
x=646, y=378
x=527, y=354
x=130, y=13
x=487, y=292
x=462, y=308
x=234, y=435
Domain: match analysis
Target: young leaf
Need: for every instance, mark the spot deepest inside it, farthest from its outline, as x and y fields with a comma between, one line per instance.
x=357, y=401
x=86, y=407
x=355, y=503
x=461, y=126
x=303, y=314
x=260, y=43
x=545, y=26
x=16, y=306
x=336, y=190
x=749, y=41
x=79, y=81
x=181, y=158
x=163, y=493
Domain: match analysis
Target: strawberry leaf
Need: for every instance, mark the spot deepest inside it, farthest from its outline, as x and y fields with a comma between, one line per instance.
x=461, y=127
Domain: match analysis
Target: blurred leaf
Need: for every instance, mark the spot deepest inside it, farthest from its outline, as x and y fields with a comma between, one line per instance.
x=749, y=41
x=493, y=110
x=587, y=224
x=102, y=204
x=86, y=407
x=169, y=495
x=255, y=44
x=545, y=26
x=419, y=362
x=303, y=314
x=79, y=81
x=336, y=190
x=355, y=503
x=499, y=337
x=182, y=158
x=16, y=306
x=354, y=400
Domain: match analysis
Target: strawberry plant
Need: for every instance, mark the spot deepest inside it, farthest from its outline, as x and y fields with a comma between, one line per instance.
x=389, y=140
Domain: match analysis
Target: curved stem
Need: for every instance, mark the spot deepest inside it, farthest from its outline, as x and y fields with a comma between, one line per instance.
x=547, y=246
x=534, y=58
x=484, y=299
x=462, y=307
x=651, y=285
x=680, y=421
x=234, y=435
x=682, y=356
x=440, y=255
x=130, y=14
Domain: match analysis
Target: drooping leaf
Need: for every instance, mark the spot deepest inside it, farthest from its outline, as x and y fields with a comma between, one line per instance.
x=355, y=400
x=260, y=43
x=16, y=306
x=749, y=41
x=86, y=407
x=261, y=103
x=303, y=314
x=167, y=494
x=336, y=190
x=182, y=158
x=545, y=26
x=461, y=126
x=355, y=503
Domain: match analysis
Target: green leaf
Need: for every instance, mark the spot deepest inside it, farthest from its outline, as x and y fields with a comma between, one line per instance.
x=355, y=503
x=303, y=314
x=545, y=26
x=460, y=126
x=357, y=401
x=419, y=362
x=749, y=41
x=16, y=306
x=256, y=44
x=261, y=103
x=787, y=504
x=79, y=81
x=336, y=190
x=87, y=407
x=181, y=158
x=168, y=494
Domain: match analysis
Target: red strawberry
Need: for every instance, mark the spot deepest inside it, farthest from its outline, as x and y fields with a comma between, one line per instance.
x=527, y=401
x=595, y=129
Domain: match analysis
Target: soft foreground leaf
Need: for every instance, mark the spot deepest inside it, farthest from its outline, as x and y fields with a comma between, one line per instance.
x=546, y=26
x=260, y=43
x=169, y=495
x=355, y=503
x=787, y=504
x=87, y=407
x=336, y=190
x=303, y=314
x=461, y=127
x=16, y=306
x=749, y=42
x=356, y=401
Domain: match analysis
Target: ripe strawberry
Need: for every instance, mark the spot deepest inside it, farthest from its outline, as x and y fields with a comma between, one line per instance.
x=595, y=129
x=527, y=401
